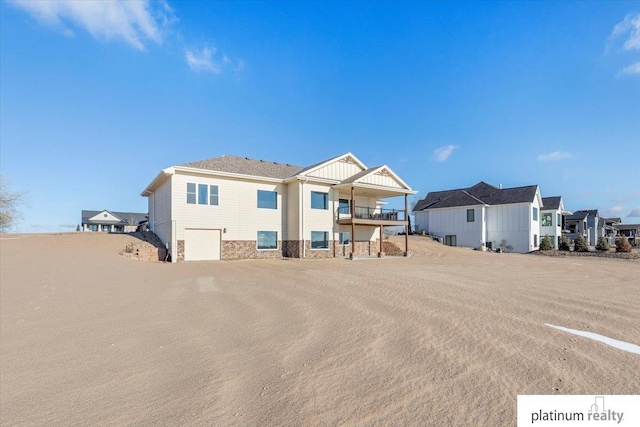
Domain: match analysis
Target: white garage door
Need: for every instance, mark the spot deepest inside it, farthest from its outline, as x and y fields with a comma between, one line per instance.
x=201, y=245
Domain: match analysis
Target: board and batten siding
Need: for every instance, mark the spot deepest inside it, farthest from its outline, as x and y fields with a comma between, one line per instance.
x=554, y=230
x=382, y=180
x=453, y=221
x=338, y=170
x=237, y=210
x=292, y=230
x=511, y=223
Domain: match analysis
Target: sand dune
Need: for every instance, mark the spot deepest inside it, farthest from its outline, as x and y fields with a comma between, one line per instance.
x=449, y=336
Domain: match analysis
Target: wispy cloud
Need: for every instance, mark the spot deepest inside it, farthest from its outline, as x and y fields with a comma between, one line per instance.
x=631, y=69
x=635, y=212
x=443, y=153
x=202, y=60
x=135, y=22
x=627, y=30
x=554, y=156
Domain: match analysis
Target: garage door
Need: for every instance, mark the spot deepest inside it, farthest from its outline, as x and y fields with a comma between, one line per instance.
x=201, y=245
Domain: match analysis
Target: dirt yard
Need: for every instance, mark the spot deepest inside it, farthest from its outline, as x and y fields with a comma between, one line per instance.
x=448, y=337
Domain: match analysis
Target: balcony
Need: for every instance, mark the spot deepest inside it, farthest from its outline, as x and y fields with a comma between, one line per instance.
x=365, y=215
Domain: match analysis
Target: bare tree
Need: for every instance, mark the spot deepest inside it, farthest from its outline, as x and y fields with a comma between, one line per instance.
x=10, y=204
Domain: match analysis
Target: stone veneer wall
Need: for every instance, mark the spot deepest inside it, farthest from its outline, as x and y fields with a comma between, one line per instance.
x=247, y=249
x=180, y=254
x=292, y=248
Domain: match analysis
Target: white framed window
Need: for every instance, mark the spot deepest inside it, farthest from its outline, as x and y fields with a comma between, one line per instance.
x=534, y=213
x=267, y=199
x=267, y=240
x=546, y=220
x=319, y=200
x=319, y=240
x=213, y=195
x=191, y=193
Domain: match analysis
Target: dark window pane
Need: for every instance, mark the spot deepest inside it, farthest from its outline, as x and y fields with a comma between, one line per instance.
x=202, y=194
x=319, y=200
x=319, y=240
x=191, y=193
x=213, y=195
x=267, y=240
x=267, y=199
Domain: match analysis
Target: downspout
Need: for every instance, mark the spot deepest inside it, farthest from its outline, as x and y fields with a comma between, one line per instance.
x=304, y=246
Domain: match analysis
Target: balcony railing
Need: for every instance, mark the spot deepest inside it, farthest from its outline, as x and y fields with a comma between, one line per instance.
x=376, y=214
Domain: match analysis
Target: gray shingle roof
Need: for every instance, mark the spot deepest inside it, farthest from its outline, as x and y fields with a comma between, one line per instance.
x=551, y=202
x=481, y=193
x=246, y=166
x=582, y=214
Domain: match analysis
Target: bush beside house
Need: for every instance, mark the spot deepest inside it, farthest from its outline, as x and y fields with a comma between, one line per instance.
x=564, y=244
x=580, y=245
x=603, y=244
x=545, y=244
x=623, y=245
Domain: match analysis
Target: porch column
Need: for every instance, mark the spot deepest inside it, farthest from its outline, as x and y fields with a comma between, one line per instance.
x=406, y=225
x=353, y=225
x=381, y=253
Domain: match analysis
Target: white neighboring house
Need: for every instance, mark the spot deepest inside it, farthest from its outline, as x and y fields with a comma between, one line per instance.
x=551, y=219
x=233, y=207
x=483, y=216
x=112, y=222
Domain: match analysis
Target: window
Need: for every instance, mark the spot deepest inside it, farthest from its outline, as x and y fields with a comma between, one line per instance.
x=267, y=240
x=344, y=238
x=105, y=215
x=559, y=224
x=343, y=206
x=93, y=227
x=202, y=194
x=535, y=214
x=319, y=240
x=205, y=194
x=546, y=220
x=106, y=228
x=471, y=215
x=191, y=193
x=267, y=199
x=450, y=240
x=535, y=240
x=213, y=195
x=319, y=200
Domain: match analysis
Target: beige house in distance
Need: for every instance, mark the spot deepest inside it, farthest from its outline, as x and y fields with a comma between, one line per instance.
x=233, y=207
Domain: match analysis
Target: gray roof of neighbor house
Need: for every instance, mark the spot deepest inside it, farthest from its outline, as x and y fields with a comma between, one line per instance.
x=246, y=166
x=481, y=193
x=126, y=218
x=613, y=220
x=551, y=202
x=628, y=226
x=582, y=214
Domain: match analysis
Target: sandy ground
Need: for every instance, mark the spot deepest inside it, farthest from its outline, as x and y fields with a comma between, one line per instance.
x=448, y=337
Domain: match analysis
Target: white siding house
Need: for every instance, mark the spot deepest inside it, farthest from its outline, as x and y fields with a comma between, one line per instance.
x=483, y=216
x=551, y=219
x=233, y=207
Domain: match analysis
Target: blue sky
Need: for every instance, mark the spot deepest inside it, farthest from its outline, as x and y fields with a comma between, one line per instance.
x=97, y=97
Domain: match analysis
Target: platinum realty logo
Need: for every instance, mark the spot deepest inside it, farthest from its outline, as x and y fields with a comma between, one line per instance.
x=566, y=410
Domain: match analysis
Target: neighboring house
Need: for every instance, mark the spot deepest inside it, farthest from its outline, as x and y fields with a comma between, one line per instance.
x=483, y=216
x=632, y=231
x=112, y=222
x=551, y=219
x=586, y=223
x=233, y=207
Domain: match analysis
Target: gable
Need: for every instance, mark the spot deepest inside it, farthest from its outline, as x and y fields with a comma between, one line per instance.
x=105, y=216
x=383, y=177
x=338, y=169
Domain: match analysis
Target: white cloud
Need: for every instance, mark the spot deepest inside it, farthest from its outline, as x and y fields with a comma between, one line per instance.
x=203, y=60
x=635, y=212
x=554, y=157
x=631, y=69
x=631, y=25
x=135, y=22
x=629, y=30
x=443, y=153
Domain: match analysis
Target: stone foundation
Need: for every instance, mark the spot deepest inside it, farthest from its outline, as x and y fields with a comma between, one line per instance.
x=292, y=248
x=247, y=249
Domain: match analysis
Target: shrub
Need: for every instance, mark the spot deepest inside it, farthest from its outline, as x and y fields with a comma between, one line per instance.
x=623, y=245
x=564, y=243
x=603, y=244
x=580, y=245
x=545, y=244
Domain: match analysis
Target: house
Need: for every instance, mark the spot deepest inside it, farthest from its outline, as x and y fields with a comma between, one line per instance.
x=551, y=219
x=233, y=207
x=632, y=231
x=483, y=216
x=586, y=223
x=112, y=222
